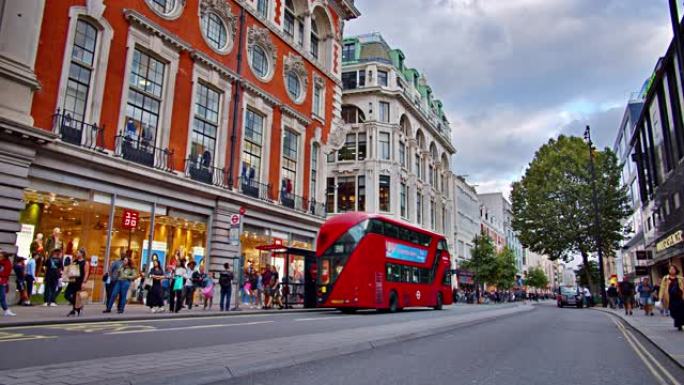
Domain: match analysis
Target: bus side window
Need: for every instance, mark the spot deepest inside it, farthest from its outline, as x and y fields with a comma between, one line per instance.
x=447, y=277
x=375, y=227
x=406, y=274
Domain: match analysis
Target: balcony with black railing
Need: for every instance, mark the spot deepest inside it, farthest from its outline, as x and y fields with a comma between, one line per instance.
x=255, y=189
x=141, y=151
x=292, y=201
x=317, y=208
x=201, y=172
x=77, y=132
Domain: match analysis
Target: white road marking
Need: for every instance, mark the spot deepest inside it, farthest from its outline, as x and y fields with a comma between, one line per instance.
x=185, y=328
x=323, y=318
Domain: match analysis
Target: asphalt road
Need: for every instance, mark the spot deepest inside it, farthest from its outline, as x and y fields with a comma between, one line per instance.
x=55, y=344
x=546, y=346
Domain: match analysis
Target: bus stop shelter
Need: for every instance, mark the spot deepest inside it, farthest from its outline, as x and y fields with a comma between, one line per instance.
x=297, y=268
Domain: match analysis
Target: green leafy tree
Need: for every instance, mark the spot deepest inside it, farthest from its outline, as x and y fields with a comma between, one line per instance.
x=483, y=261
x=505, y=269
x=552, y=203
x=587, y=277
x=537, y=278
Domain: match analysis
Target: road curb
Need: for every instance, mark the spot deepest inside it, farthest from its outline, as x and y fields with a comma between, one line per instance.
x=153, y=317
x=654, y=343
x=240, y=370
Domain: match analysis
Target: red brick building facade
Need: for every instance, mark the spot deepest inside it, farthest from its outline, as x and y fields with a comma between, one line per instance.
x=183, y=110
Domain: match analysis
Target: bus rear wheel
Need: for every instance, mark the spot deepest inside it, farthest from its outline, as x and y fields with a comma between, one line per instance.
x=440, y=303
x=393, y=302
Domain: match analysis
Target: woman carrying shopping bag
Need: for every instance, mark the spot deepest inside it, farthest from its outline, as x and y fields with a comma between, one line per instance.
x=672, y=295
x=76, y=273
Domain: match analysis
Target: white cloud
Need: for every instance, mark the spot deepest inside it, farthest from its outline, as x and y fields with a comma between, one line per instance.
x=513, y=73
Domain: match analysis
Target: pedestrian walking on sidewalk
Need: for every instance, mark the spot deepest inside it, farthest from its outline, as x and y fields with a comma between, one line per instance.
x=126, y=274
x=645, y=290
x=5, y=271
x=81, y=272
x=626, y=289
x=192, y=281
x=20, y=275
x=30, y=278
x=672, y=295
x=178, y=287
x=53, y=271
x=612, y=296
x=155, y=299
x=226, y=283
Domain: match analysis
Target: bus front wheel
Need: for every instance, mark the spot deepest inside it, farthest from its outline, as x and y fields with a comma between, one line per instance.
x=440, y=303
x=393, y=302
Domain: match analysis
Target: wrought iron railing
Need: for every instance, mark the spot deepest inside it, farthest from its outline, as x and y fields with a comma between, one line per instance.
x=317, y=208
x=195, y=170
x=254, y=188
x=141, y=151
x=77, y=132
x=292, y=201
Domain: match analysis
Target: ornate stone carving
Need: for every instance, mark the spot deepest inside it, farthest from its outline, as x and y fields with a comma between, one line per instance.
x=318, y=80
x=222, y=9
x=295, y=64
x=95, y=8
x=262, y=37
x=337, y=134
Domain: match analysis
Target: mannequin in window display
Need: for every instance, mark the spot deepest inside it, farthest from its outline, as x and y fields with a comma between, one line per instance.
x=55, y=241
x=37, y=250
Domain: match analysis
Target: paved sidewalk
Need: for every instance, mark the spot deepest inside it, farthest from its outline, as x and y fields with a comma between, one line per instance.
x=40, y=315
x=658, y=329
x=205, y=365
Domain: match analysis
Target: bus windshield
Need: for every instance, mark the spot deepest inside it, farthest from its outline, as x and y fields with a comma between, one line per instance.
x=335, y=257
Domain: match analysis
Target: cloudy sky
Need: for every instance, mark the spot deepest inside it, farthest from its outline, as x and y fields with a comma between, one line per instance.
x=513, y=73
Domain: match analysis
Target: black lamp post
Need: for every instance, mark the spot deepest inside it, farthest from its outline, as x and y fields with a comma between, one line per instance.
x=597, y=217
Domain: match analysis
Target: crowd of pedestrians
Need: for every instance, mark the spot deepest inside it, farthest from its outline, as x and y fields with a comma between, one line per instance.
x=667, y=298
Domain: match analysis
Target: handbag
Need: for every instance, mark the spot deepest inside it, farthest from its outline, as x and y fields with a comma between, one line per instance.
x=81, y=299
x=73, y=272
x=178, y=283
x=147, y=283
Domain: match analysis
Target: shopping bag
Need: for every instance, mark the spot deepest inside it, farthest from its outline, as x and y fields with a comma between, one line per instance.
x=178, y=283
x=80, y=299
x=208, y=291
x=659, y=305
x=73, y=272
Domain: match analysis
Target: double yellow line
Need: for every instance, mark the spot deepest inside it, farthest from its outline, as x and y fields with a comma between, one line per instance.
x=659, y=372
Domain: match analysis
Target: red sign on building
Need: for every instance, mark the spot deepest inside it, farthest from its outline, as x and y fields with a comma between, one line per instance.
x=130, y=219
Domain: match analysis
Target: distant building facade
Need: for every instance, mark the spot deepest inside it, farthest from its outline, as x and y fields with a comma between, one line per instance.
x=394, y=155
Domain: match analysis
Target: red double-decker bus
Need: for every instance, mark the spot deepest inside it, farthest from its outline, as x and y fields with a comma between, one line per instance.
x=367, y=261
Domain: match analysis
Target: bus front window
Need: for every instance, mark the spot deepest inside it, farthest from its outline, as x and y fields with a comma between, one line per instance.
x=337, y=254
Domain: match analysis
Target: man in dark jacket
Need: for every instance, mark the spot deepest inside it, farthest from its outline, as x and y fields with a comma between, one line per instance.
x=226, y=283
x=612, y=295
x=627, y=295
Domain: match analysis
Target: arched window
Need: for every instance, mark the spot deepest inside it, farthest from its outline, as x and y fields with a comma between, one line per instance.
x=352, y=114
x=314, y=39
x=290, y=19
x=405, y=125
x=433, y=151
x=259, y=61
x=294, y=88
x=322, y=32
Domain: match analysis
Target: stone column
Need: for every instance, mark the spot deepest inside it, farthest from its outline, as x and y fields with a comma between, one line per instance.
x=20, y=23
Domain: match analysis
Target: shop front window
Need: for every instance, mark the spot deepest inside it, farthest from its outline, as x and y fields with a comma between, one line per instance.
x=66, y=222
